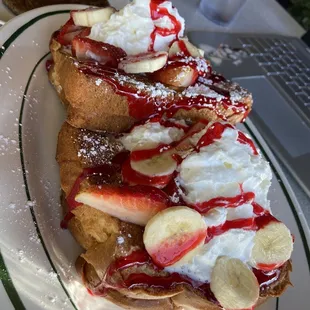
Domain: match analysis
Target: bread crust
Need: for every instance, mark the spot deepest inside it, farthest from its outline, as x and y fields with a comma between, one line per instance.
x=99, y=107
x=98, y=234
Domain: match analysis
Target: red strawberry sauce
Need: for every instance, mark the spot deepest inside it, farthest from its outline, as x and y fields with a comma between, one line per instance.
x=141, y=257
x=171, y=251
x=144, y=104
x=159, y=12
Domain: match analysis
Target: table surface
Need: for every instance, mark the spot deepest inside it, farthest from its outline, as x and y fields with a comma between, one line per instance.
x=263, y=16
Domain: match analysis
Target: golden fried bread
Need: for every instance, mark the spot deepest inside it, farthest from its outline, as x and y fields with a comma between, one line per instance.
x=94, y=104
x=106, y=238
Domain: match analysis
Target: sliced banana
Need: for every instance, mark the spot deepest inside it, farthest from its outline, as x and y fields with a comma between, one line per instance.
x=149, y=62
x=233, y=284
x=191, y=48
x=88, y=18
x=273, y=246
x=174, y=236
x=160, y=165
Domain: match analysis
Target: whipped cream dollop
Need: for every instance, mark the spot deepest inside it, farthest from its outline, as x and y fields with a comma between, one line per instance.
x=224, y=168
x=235, y=243
x=219, y=216
x=217, y=170
x=141, y=26
x=150, y=135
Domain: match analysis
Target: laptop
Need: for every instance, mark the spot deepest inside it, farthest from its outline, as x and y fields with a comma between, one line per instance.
x=276, y=69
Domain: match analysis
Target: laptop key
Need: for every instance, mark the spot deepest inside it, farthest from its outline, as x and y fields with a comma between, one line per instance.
x=295, y=88
x=296, y=59
x=279, y=50
x=305, y=78
x=259, y=45
x=275, y=55
x=290, y=90
x=274, y=69
x=264, y=60
x=286, y=50
x=303, y=99
x=283, y=63
x=300, y=81
x=288, y=59
x=297, y=68
x=304, y=67
x=291, y=72
x=307, y=92
x=253, y=50
x=281, y=79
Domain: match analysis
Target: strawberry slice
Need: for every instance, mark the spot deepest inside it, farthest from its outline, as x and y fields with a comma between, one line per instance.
x=85, y=49
x=134, y=204
x=68, y=31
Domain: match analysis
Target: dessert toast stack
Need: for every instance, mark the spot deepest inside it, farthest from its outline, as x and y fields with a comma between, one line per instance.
x=165, y=195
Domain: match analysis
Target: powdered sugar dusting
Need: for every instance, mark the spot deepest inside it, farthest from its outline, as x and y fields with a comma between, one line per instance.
x=201, y=64
x=95, y=148
x=98, y=82
x=120, y=240
x=154, y=90
x=199, y=89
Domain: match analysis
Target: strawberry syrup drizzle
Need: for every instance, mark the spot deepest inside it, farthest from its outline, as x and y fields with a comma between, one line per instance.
x=183, y=48
x=158, y=12
x=141, y=257
x=132, y=177
x=213, y=133
x=173, y=190
x=48, y=64
x=143, y=105
x=146, y=154
x=216, y=131
x=171, y=251
x=243, y=139
x=225, y=202
x=246, y=224
x=258, y=209
x=264, y=220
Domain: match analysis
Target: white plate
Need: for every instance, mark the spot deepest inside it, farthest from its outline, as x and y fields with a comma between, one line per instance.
x=36, y=260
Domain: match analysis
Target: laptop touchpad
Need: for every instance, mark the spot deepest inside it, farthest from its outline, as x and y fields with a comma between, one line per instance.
x=278, y=116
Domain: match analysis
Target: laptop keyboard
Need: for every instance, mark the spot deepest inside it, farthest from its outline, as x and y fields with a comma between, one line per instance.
x=280, y=60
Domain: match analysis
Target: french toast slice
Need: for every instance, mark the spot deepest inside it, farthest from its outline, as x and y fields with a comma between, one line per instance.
x=95, y=101
x=106, y=238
